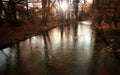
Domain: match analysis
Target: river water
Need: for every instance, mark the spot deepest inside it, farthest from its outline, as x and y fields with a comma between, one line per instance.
x=71, y=49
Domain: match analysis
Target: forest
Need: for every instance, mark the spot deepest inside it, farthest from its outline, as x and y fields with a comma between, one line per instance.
x=11, y=11
x=59, y=37
x=20, y=18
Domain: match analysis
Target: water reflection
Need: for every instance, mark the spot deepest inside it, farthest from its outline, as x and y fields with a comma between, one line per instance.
x=47, y=46
x=65, y=50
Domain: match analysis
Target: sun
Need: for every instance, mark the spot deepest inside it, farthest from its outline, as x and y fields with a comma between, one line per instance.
x=64, y=5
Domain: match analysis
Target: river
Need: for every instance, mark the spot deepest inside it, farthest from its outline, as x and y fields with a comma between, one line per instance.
x=65, y=50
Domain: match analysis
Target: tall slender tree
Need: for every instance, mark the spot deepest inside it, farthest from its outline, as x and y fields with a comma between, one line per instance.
x=76, y=8
x=12, y=10
x=45, y=11
x=4, y=10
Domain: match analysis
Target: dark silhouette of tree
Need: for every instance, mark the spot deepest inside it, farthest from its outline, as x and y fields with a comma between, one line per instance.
x=116, y=12
x=9, y=9
x=5, y=10
x=108, y=10
x=12, y=11
x=1, y=21
x=76, y=8
x=47, y=6
x=45, y=11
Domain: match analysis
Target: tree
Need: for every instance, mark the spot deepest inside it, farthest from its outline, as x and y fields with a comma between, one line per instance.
x=2, y=8
x=61, y=11
x=76, y=8
x=45, y=11
x=1, y=21
x=116, y=11
x=12, y=11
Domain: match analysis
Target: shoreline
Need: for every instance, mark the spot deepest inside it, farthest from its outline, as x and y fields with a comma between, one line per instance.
x=10, y=35
x=22, y=32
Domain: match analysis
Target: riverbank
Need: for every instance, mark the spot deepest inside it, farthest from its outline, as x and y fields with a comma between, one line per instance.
x=9, y=35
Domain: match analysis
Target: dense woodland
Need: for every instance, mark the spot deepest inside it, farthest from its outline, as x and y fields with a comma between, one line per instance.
x=12, y=11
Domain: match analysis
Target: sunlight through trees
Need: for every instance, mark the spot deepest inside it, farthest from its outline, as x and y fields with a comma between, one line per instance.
x=57, y=10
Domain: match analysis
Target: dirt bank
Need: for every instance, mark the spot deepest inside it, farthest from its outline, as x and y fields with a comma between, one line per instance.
x=9, y=35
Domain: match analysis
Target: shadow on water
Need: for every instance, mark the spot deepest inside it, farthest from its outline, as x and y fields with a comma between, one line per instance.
x=10, y=60
x=65, y=50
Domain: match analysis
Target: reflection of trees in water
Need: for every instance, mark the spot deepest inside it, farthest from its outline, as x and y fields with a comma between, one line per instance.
x=48, y=53
x=12, y=60
x=61, y=31
x=47, y=46
x=65, y=33
x=68, y=33
x=7, y=63
x=75, y=31
x=75, y=40
x=18, y=61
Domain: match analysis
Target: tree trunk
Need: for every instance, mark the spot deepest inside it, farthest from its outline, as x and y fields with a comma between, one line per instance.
x=45, y=11
x=5, y=11
x=12, y=12
x=76, y=2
